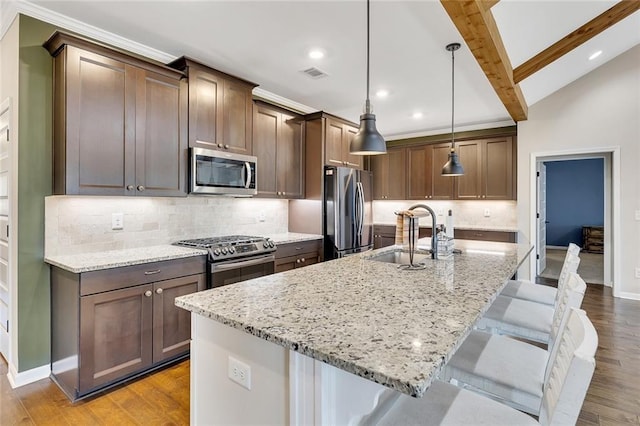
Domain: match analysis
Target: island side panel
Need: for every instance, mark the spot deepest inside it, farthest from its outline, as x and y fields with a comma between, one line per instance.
x=215, y=399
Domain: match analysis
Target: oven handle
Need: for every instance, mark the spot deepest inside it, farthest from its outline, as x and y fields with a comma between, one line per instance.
x=234, y=265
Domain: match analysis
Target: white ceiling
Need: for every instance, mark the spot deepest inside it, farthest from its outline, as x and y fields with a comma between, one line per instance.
x=267, y=42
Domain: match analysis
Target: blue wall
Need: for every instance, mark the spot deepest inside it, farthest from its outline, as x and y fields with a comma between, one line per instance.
x=575, y=197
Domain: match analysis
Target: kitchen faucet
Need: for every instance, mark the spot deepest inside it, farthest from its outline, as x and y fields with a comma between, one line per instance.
x=434, y=242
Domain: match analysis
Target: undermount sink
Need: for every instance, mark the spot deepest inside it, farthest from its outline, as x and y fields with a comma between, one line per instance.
x=401, y=257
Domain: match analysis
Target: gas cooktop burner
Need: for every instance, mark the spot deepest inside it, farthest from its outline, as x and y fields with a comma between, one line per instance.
x=230, y=247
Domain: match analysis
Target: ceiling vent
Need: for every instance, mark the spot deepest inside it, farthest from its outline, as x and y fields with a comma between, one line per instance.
x=314, y=72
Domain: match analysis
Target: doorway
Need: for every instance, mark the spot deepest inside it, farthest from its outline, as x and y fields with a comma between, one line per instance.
x=549, y=248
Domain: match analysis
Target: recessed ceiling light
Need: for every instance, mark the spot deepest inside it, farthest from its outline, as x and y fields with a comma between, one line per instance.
x=382, y=93
x=316, y=54
x=595, y=55
x=417, y=115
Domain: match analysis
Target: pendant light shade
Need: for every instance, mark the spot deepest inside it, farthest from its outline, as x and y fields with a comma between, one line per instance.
x=368, y=141
x=453, y=167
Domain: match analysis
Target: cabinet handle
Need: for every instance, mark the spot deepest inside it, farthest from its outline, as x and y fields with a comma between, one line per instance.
x=157, y=271
x=284, y=193
x=303, y=260
x=226, y=147
x=483, y=196
x=130, y=187
x=219, y=145
x=140, y=188
x=297, y=260
x=159, y=291
x=148, y=293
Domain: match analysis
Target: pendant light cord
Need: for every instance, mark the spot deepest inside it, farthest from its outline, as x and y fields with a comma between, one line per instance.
x=453, y=146
x=367, y=103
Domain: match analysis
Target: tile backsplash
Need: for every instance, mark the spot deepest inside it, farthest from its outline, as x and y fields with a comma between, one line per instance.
x=502, y=214
x=83, y=224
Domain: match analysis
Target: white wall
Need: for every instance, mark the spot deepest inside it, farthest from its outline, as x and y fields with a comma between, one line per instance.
x=83, y=224
x=600, y=110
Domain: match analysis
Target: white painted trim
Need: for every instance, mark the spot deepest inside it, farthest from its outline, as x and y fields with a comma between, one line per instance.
x=20, y=379
x=615, y=203
x=627, y=295
x=63, y=21
x=301, y=389
x=280, y=100
x=548, y=247
x=8, y=13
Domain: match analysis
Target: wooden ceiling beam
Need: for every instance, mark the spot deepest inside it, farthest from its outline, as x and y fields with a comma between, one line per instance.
x=488, y=4
x=592, y=28
x=480, y=32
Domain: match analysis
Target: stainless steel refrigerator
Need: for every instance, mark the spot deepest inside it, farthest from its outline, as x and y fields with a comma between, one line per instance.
x=348, y=218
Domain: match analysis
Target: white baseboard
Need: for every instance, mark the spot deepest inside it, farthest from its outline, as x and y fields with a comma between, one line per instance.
x=24, y=378
x=556, y=247
x=628, y=295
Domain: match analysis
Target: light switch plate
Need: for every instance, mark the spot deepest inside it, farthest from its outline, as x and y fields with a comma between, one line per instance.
x=637, y=272
x=487, y=212
x=638, y=215
x=117, y=221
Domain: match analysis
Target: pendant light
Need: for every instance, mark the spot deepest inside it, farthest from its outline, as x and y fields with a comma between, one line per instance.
x=368, y=141
x=453, y=166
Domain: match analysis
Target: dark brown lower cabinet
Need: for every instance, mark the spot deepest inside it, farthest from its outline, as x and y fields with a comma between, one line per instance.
x=296, y=255
x=114, y=324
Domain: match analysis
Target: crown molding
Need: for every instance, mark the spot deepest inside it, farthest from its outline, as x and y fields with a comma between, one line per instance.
x=282, y=101
x=9, y=9
x=447, y=130
x=14, y=7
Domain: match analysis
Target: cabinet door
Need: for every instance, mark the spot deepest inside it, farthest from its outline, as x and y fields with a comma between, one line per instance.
x=356, y=161
x=333, y=143
x=205, y=109
x=291, y=157
x=238, y=118
x=441, y=186
x=100, y=124
x=396, y=173
x=498, y=177
x=419, y=177
x=469, y=186
x=265, y=137
x=380, y=170
x=161, y=137
x=171, y=324
x=115, y=335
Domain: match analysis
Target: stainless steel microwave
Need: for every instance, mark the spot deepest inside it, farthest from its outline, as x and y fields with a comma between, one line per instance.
x=219, y=172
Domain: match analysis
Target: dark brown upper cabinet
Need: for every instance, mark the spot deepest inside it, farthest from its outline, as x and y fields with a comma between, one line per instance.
x=489, y=169
x=220, y=108
x=120, y=123
x=338, y=137
x=389, y=174
x=278, y=142
x=424, y=167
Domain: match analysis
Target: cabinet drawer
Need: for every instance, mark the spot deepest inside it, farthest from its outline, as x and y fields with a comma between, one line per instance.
x=499, y=236
x=295, y=249
x=116, y=278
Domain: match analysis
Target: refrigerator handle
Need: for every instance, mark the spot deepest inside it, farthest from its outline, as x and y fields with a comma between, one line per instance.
x=360, y=208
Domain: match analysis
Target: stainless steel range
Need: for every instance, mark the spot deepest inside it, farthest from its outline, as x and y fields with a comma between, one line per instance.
x=235, y=258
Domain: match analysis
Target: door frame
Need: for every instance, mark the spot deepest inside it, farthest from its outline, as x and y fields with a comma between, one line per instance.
x=612, y=210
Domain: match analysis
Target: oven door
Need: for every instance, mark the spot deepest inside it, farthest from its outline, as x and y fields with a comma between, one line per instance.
x=233, y=271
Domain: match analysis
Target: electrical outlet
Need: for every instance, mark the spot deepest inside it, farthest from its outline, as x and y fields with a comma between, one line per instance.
x=487, y=212
x=637, y=272
x=638, y=215
x=261, y=217
x=240, y=373
x=117, y=221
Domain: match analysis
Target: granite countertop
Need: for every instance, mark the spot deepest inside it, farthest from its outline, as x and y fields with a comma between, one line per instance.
x=85, y=262
x=293, y=237
x=366, y=317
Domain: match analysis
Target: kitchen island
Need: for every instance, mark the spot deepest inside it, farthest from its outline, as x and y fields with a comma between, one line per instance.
x=323, y=343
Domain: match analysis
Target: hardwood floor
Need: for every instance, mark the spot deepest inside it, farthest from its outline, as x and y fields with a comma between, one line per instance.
x=159, y=398
x=162, y=398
